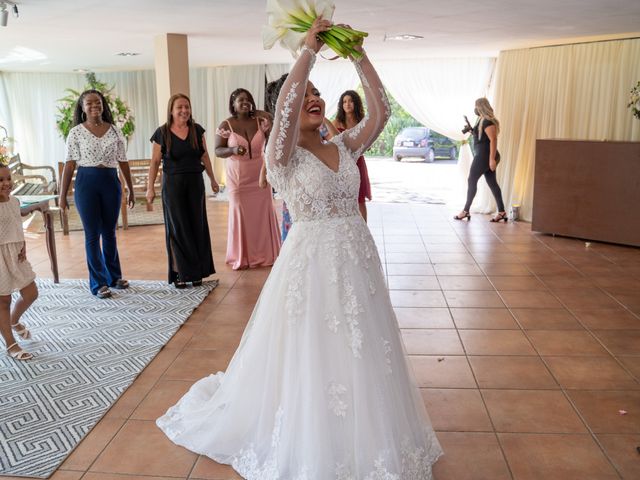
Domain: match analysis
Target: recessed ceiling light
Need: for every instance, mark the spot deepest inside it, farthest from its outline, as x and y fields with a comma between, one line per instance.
x=403, y=37
x=127, y=54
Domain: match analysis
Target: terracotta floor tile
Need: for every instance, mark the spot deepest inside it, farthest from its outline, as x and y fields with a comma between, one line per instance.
x=622, y=450
x=620, y=342
x=515, y=282
x=555, y=457
x=549, y=269
x=446, y=248
x=207, y=469
x=405, y=248
x=632, y=363
x=470, y=456
x=244, y=296
x=483, y=318
x=410, y=258
x=546, y=319
x=608, y=319
x=502, y=269
x=442, y=371
x=163, y=395
x=532, y=411
x=567, y=281
x=413, y=282
x=590, y=373
x=424, y=317
x=511, y=372
x=196, y=364
x=457, y=269
x=432, y=342
x=142, y=448
x=565, y=342
x=585, y=298
x=92, y=445
x=456, y=410
x=402, y=239
x=211, y=337
x=440, y=258
x=417, y=298
x=409, y=269
x=501, y=256
x=464, y=282
x=473, y=299
x=495, y=342
x=600, y=410
x=529, y=299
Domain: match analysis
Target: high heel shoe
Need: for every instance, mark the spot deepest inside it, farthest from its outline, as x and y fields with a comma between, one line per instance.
x=18, y=354
x=466, y=215
x=499, y=217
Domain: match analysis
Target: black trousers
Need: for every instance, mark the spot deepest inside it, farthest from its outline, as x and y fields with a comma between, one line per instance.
x=479, y=167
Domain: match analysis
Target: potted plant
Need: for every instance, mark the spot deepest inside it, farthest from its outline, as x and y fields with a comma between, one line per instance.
x=122, y=114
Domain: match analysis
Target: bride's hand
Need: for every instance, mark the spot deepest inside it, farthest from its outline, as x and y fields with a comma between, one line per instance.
x=312, y=39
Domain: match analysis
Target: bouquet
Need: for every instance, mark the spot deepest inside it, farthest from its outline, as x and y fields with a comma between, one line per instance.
x=634, y=101
x=289, y=20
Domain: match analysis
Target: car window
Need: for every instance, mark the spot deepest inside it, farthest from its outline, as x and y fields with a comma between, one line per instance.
x=414, y=133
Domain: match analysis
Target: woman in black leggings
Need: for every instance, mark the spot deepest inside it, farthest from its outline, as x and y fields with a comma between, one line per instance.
x=485, y=159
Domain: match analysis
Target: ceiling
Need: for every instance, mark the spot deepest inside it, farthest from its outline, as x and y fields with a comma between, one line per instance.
x=63, y=35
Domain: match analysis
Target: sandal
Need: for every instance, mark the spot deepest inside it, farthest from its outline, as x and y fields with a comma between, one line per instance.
x=19, y=354
x=499, y=217
x=103, y=292
x=121, y=284
x=464, y=215
x=22, y=331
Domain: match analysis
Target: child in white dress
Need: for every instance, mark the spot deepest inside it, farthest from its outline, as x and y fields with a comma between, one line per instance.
x=16, y=273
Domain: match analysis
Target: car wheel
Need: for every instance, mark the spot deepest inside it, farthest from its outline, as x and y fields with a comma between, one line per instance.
x=430, y=156
x=397, y=158
x=453, y=153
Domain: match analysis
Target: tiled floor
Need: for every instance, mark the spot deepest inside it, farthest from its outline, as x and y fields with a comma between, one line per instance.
x=526, y=349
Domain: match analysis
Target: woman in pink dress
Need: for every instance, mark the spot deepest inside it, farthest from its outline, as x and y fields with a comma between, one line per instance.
x=253, y=239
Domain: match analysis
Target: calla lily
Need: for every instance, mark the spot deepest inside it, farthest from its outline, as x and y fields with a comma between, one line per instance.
x=289, y=20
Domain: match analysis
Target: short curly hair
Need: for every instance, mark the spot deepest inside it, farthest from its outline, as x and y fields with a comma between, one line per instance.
x=232, y=98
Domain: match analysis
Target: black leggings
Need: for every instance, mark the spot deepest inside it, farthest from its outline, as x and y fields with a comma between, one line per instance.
x=479, y=167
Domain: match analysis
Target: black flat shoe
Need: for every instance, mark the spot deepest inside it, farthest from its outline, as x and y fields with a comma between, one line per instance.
x=197, y=283
x=179, y=284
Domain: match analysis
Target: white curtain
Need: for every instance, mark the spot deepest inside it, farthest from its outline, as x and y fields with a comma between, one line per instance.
x=438, y=92
x=275, y=70
x=332, y=78
x=571, y=91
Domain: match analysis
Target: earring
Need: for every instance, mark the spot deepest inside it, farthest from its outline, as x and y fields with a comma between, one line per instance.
x=83, y=116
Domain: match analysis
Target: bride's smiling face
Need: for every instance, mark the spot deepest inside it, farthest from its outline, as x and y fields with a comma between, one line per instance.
x=312, y=114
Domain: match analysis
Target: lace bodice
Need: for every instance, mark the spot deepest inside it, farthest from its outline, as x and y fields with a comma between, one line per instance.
x=312, y=190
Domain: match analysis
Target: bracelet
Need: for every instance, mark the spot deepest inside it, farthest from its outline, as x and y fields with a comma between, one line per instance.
x=304, y=47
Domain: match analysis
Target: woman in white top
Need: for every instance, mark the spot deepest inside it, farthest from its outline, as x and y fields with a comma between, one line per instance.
x=97, y=148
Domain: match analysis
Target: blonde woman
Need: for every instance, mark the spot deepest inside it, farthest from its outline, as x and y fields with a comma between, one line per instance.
x=485, y=159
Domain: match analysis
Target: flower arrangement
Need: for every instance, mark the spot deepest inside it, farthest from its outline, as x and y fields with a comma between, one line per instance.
x=289, y=20
x=634, y=101
x=122, y=114
x=5, y=141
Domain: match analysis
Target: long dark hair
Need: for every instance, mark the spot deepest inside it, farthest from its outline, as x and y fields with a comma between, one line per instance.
x=358, y=109
x=271, y=93
x=106, y=111
x=232, y=98
x=166, y=128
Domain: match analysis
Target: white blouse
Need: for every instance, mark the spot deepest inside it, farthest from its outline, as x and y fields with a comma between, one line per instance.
x=87, y=150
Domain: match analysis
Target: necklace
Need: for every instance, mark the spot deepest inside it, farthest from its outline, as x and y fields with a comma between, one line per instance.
x=95, y=124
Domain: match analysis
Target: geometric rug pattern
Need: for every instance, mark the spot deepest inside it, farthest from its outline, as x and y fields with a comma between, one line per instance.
x=87, y=351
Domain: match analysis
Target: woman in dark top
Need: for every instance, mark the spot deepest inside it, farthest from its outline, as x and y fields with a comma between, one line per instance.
x=485, y=159
x=181, y=146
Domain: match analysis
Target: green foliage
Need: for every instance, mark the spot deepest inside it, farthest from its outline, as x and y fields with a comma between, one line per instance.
x=122, y=114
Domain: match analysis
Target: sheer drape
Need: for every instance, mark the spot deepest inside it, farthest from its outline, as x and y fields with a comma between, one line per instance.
x=438, y=92
x=571, y=91
x=332, y=78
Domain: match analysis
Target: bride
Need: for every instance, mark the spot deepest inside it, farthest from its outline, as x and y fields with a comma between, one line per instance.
x=319, y=388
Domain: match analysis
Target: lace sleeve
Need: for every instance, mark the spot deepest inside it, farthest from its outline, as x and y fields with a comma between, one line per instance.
x=360, y=137
x=284, y=133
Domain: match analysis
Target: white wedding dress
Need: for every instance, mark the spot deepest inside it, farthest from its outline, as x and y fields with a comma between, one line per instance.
x=319, y=388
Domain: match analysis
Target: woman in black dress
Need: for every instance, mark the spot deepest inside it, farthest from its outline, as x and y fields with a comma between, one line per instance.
x=181, y=146
x=485, y=159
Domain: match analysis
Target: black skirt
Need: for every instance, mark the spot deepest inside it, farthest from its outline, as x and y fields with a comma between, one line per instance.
x=186, y=227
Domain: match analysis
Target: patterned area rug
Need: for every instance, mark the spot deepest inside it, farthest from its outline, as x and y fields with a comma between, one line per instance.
x=87, y=352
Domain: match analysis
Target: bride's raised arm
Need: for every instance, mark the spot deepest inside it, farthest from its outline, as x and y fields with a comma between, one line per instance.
x=284, y=133
x=360, y=137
